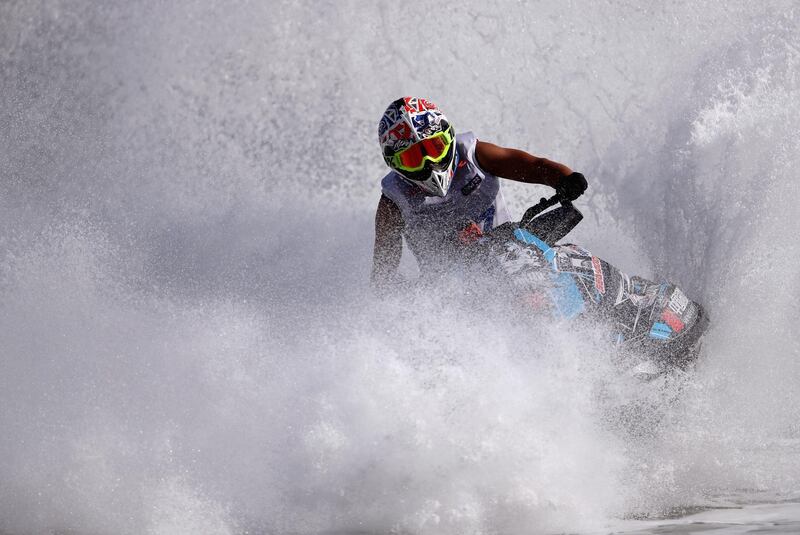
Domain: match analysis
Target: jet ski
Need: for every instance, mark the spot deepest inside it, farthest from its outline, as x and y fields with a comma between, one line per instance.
x=657, y=321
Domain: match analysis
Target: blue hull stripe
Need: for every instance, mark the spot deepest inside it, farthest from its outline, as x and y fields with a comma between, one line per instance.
x=565, y=295
x=660, y=331
x=526, y=237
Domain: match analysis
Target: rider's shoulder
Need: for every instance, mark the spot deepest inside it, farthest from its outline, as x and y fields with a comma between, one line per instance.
x=390, y=179
x=466, y=138
x=393, y=185
x=396, y=189
x=467, y=143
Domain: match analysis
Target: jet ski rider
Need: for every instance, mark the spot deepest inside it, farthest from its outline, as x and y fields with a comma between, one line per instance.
x=442, y=183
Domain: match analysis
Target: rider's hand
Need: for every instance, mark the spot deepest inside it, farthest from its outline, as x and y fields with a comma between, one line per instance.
x=572, y=186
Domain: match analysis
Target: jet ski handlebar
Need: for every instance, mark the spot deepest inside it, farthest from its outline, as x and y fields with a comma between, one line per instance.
x=551, y=226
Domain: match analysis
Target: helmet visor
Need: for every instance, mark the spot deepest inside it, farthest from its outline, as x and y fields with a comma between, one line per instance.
x=433, y=149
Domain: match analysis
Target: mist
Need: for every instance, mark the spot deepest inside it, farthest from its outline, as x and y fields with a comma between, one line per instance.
x=188, y=342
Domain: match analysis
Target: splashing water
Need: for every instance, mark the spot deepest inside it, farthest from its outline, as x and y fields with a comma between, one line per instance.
x=186, y=199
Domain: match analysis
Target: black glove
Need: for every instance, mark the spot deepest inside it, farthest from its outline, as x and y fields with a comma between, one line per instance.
x=572, y=186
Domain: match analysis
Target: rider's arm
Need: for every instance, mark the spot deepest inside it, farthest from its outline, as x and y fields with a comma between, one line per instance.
x=519, y=165
x=388, y=243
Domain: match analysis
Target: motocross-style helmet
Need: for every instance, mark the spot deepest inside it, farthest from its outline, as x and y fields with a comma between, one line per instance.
x=419, y=144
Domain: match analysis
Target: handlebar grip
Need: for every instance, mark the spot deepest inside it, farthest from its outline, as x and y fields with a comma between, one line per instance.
x=540, y=207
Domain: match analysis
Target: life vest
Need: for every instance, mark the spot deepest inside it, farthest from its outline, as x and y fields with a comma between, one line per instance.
x=432, y=224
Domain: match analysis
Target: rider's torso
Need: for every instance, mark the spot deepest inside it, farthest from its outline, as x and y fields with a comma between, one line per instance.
x=432, y=224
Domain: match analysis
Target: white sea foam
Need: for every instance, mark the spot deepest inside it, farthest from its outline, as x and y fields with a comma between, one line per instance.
x=186, y=201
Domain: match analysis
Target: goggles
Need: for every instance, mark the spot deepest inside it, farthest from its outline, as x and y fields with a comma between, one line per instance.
x=433, y=149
